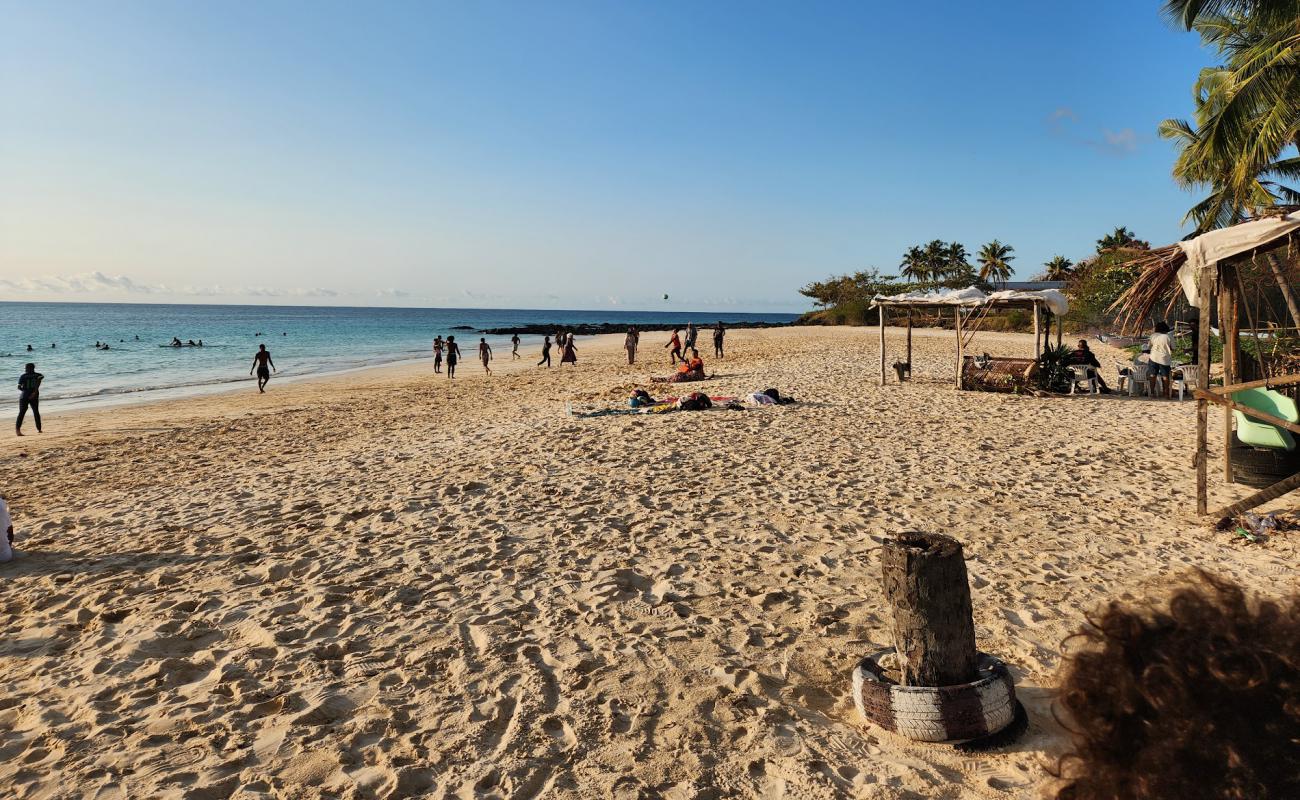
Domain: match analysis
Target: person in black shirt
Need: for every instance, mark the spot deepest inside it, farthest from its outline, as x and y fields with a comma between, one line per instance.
x=29, y=396
x=1082, y=356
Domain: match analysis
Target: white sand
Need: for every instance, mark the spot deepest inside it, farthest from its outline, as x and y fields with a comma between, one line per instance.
x=383, y=585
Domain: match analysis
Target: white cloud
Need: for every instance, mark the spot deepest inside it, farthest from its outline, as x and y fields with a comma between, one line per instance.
x=99, y=283
x=1063, y=121
x=391, y=293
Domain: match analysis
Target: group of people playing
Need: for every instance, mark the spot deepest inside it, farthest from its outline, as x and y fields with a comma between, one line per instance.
x=563, y=343
x=176, y=342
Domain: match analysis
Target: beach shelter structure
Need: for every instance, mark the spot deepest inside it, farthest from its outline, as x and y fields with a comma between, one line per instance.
x=970, y=307
x=1205, y=270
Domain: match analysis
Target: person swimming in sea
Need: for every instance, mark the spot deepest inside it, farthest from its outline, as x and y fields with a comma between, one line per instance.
x=263, y=364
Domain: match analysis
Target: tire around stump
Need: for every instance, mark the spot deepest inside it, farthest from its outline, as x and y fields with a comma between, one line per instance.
x=943, y=714
x=1260, y=467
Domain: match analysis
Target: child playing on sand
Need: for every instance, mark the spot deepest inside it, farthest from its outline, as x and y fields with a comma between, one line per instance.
x=546, y=352
x=674, y=347
x=437, y=353
x=514, y=354
x=485, y=354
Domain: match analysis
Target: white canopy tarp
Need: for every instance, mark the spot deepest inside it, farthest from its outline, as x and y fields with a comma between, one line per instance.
x=971, y=297
x=1208, y=249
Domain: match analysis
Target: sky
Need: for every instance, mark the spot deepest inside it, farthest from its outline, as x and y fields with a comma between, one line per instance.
x=568, y=154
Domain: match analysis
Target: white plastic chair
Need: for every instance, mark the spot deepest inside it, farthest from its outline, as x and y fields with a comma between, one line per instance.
x=1139, y=374
x=1083, y=375
x=1188, y=375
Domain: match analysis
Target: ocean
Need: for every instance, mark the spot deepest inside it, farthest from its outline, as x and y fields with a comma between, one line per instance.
x=304, y=341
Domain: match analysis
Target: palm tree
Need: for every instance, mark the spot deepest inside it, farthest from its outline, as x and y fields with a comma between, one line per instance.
x=1121, y=237
x=1058, y=268
x=913, y=266
x=995, y=262
x=1248, y=108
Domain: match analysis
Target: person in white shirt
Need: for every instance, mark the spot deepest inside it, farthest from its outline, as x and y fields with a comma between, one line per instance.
x=6, y=533
x=1162, y=359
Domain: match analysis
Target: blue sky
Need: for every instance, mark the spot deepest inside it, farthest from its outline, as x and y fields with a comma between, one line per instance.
x=567, y=154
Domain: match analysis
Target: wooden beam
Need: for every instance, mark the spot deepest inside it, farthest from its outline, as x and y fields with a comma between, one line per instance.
x=1259, y=498
x=1060, y=329
x=1262, y=416
x=1205, y=292
x=1266, y=383
x=881, y=309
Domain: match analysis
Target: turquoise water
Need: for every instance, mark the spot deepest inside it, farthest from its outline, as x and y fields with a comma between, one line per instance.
x=303, y=341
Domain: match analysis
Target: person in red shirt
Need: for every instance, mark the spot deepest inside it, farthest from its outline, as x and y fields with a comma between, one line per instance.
x=674, y=347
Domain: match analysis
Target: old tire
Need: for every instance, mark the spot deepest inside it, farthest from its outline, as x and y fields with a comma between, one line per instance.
x=1262, y=466
x=946, y=714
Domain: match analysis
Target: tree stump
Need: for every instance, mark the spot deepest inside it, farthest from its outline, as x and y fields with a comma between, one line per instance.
x=924, y=581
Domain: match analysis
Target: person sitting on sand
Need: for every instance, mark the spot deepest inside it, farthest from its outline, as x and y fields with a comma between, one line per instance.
x=485, y=354
x=674, y=347
x=453, y=355
x=689, y=370
x=6, y=532
x=1081, y=356
x=1196, y=695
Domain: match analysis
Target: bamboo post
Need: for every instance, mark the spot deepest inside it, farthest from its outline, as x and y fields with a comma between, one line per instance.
x=1037, y=338
x=881, y=309
x=1205, y=291
x=925, y=583
x=957, y=324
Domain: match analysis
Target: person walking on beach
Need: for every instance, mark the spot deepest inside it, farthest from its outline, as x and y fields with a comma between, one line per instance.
x=692, y=333
x=718, y=333
x=485, y=354
x=453, y=355
x=570, y=352
x=546, y=352
x=437, y=354
x=514, y=340
x=674, y=347
x=630, y=343
x=29, y=396
x=263, y=364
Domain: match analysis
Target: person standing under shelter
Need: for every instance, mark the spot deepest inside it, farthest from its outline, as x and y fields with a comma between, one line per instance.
x=1162, y=359
x=29, y=396
x=263, y=364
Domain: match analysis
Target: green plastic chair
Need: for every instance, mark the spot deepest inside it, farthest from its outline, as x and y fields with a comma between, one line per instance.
x=1261, y=434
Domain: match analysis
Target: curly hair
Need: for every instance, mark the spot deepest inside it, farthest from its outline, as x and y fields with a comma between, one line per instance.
x=1198, y=697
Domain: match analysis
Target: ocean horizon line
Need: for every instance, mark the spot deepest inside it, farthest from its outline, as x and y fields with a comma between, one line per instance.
x=729, y=310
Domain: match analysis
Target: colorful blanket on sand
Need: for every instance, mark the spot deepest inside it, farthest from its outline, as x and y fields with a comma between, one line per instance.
x=658, y=407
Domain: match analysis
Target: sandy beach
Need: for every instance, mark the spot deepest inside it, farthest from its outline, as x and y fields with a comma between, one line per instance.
x=387, y=584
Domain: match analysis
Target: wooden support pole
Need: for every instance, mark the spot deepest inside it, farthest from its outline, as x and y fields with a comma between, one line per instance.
x=1037, y=338
x=1229, y=333
x=960, y=358
x=924, y=580
x=881, y=310
x=909, y=343
x=1060, y=329
x=1205, y=293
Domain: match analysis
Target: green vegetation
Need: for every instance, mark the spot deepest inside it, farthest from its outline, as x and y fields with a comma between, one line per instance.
x=995, y=262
